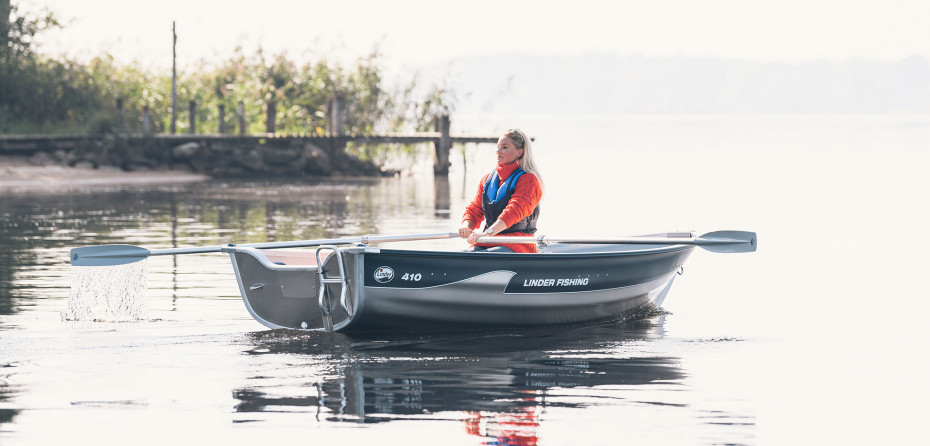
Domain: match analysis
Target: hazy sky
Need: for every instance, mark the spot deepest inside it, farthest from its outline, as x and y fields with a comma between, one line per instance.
x=415, y=32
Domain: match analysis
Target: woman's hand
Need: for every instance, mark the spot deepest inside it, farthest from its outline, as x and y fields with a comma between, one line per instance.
x=473, y=237
x=466, y=228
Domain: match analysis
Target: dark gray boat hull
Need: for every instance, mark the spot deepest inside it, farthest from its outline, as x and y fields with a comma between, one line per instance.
x=433, y=290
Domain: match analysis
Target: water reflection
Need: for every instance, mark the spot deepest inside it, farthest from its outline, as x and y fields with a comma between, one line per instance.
x=442, y=196
x=8, y=257
x=7, y=393
x=496, y=383
x=37, y=230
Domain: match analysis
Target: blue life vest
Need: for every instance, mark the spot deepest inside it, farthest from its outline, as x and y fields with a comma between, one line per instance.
x=496, y=197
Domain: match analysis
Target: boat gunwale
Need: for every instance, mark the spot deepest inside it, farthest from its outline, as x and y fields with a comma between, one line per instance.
x=268, y=264
x=637, y=251
x=259, y=254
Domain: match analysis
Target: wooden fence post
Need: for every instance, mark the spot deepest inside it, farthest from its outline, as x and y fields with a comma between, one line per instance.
x=192, y=111
x=222, y=110
x=336, y=115
x=335, y=123
x=270, y=109
x=443, y=146
x=119, y=113
x=241, y=112
x=174, y=78
x=146, y=121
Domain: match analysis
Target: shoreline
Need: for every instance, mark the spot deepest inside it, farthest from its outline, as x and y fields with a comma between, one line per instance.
x=18, y=174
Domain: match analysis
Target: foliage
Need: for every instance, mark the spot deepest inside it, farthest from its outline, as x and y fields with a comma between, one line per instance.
x=42, y=95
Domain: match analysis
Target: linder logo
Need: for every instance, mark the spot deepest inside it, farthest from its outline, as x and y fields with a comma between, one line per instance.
x=384, y=274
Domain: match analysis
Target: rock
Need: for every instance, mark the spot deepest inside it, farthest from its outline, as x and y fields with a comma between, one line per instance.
x=251, y=160
x=135, y=157
x=280, y=157
x=137, y=168
x=199, y=163
x=61, y=156
x=185, y=151
x=295, y=167
x=72, y=158
x=41, y=159
x=318, y=161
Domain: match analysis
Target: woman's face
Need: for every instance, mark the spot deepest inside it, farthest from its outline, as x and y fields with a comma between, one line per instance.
x=506, y=151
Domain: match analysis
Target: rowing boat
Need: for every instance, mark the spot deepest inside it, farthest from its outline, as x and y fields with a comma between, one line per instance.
x=363, y=287
x=368, y=288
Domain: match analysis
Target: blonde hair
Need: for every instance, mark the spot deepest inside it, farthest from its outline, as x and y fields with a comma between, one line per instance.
x=521, y=141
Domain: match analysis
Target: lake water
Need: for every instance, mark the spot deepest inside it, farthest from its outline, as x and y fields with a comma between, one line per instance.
x=819, y=337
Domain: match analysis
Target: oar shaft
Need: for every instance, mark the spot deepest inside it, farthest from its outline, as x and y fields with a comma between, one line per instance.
x=351, y=240
x=717, y=241
x=589, y=241
x=173, y=251
x=108, y=255
x=366, y=239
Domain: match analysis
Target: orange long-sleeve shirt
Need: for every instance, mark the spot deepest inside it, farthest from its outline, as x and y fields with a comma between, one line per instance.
x=526, y=197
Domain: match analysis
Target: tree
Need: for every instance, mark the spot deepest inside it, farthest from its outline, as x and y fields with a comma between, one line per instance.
x=26, y=76
x=39, y=94
x=4, y=21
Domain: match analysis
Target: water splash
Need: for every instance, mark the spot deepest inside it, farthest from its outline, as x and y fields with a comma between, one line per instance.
x=107, y=293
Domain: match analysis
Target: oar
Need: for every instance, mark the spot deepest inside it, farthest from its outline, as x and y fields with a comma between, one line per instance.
x=108, y=255
x=717, y=241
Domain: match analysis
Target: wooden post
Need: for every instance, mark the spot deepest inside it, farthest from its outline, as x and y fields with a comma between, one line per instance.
x=443, y=146
x=335, y=123
x=222, y=111
x=270, y=109
x=119, y=113
x=241, y=112
x=174, y=79
x=336, y=115
x=192, y=110
x=146, y=121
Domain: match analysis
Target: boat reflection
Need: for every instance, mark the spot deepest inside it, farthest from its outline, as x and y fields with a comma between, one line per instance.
x=7, y=392
x=498, y=383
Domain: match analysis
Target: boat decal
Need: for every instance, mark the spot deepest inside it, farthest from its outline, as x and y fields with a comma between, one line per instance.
x=560, y=282
x=499, y=278
x=384, y=274
x=529, y=274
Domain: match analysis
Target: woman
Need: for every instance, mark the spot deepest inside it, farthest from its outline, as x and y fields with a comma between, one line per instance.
x=508, y=197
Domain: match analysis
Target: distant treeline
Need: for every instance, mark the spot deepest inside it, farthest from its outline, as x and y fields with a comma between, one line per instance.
x=613, y=84
x=39, y=94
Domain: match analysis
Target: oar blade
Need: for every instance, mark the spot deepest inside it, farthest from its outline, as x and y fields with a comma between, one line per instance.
x=107, y=255
x=728, y=241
